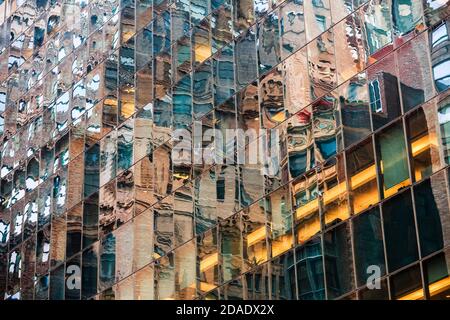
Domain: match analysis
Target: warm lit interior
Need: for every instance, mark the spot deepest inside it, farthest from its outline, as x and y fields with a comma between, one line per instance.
x=202, y=52
x=205, y=287
x=256, y=236
x=279, y=117
x=394, y=189
x=306, y=209
x=434, y=289
x=337, y=211
x=206, y=264
x=209, y=262
x=281, y=244
x=308, y=229
x=420, y=147
x=363, y=177
x=258, y=253
x=364, y=199
x=256, y=244
x=126, y=109
x=365, y=190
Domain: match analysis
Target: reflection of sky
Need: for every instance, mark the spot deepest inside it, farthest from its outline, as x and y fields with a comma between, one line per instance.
x=80, y=90
x=444, y=115
x=261, y=5
x=61, y=200
x=46, y=211
x=442, y=70
x=18, y=224
x=95, y=83
x=15, y=296
x=436, y=4
x=17, y=194
x=61, y=54
x=2, y=101
x=5, y=170
x=4, y=232
x=441, y=73
x=77, y=40
x=31, y=183
x=62, y=104
x=439, y=35
x=13, y=261
x=31, y=213
x=77, y=112
x=65, y=157
x=46, y=252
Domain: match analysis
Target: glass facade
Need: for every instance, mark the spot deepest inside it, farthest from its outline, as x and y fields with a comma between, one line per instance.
x=98, y=202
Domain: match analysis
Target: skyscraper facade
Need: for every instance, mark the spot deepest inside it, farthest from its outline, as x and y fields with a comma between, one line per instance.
x=225, y=149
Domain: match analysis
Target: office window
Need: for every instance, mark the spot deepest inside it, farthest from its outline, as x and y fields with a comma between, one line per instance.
x=254, y=237
x=393, y=159
x=338, y=261
x=441, y=75
x=379, y=294
x=368, y=243
x=283, y=277
x=432, y=213
x=306, y=202
x=407, y=284
x=437, y=275
x=399, y=231
x=310, y=272
x=115, y=118
x=439, y=35
x=422, y=138
x=89, y=272
x=362, y=175
x=333, y=186
x=444, y=122
x=257, y=283
x=376, y=105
